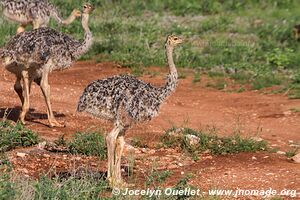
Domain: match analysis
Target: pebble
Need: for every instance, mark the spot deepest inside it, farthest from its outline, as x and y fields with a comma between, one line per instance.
x=193, y=140
x=46, y=155
x=257, y=139
x=296, y=158
x=280, y=152
x=22, y=155
x=152, y=151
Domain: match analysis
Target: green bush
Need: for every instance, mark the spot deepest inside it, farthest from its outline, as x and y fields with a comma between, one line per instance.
x=90, y=144
x=13, y=136
x=45, y=188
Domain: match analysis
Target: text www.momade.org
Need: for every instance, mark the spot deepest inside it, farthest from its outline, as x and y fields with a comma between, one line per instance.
x=252, y=192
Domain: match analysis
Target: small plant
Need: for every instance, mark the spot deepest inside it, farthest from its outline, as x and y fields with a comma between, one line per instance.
x=183, y=184
x=87, y=187
x=280, y=58
x=7, y=191
x=213, y=143
x=157, y=177
x=291, y=152
x=137, y=142
x=197, y=77
x=13, y=136
x=90, y=144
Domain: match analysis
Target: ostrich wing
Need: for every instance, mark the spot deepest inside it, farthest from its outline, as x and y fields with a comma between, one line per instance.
x=39, y=45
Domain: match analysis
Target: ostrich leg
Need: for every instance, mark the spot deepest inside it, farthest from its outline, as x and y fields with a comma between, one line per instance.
x=19, y=90
x=25, y=106
x=45, y=87
x=117, y=166
x=111, y=140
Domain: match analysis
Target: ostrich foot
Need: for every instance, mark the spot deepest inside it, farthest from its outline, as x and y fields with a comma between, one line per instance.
x=117, y=183
x=22, y=118
x=54, y=123
x=22, y=121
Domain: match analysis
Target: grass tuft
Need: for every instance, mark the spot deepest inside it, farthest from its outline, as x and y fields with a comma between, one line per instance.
x=212, y=143
x=90, y=144
x=13, y=136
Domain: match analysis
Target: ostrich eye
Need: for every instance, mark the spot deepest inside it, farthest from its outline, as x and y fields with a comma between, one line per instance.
x=85, y=6
x=175, y=38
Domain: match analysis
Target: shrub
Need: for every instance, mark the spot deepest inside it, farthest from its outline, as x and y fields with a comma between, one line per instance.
x=13, y=136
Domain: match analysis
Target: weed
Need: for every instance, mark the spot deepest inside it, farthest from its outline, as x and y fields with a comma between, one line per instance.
x=13, y=136
x=7, y=190
x=212, y=143
x=137, y=142
x=291, y=152
x=45, y=188
x=157, y=177
x=90, y=144
x=197, y=78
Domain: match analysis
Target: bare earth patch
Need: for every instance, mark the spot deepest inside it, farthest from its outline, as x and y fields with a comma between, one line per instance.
x=270, y=117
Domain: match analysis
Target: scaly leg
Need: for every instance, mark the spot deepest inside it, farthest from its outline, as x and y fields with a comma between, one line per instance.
x=25, y=106
x=46, y=92
x=117, y=167
x=111, y=150
x=19, y=90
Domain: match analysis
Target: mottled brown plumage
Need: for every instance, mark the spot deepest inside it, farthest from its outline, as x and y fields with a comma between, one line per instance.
x=125, y=100
x=34, y=12
x=32, y=55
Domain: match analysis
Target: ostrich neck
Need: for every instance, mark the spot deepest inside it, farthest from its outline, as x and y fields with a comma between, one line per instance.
x=69, y=20
x=171, y=82
x=169, y=54
x=88, y=38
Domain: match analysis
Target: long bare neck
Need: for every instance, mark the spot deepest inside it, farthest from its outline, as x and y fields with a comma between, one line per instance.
x=69, y=20
x=171, y=82
x=88, y=37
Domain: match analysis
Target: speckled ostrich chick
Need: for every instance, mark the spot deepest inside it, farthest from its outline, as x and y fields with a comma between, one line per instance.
x=34, y=12
x=32, y=55
x=126, y=100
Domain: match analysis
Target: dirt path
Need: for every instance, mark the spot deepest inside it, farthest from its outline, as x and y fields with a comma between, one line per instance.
x=192, y=105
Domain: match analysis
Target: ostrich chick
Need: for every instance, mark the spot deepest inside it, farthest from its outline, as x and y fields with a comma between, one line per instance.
x=32, y=55
x=126, y=100
x=34, y=12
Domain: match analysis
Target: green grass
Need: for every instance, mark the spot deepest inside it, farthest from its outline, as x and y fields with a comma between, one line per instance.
x=250, y=36
x=291, y=152
x=137, y=142
x=157, y=177
x=86, y=187
x=210, y=142
x=85, y=143
x=13, y=136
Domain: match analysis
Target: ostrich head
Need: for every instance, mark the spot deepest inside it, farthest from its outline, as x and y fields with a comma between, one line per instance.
x=173, y=41
x=76, y=13
x=87, y=8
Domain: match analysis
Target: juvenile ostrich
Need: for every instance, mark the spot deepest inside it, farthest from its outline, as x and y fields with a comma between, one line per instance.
x=34, y=12
x=125, y=100
x=32, y=55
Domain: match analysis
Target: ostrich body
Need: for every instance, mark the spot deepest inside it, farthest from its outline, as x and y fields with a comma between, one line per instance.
x=35, y=12
x=32, y=55
x=126, y=100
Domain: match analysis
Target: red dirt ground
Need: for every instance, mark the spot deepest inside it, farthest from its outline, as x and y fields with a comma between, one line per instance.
x=193, y=105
